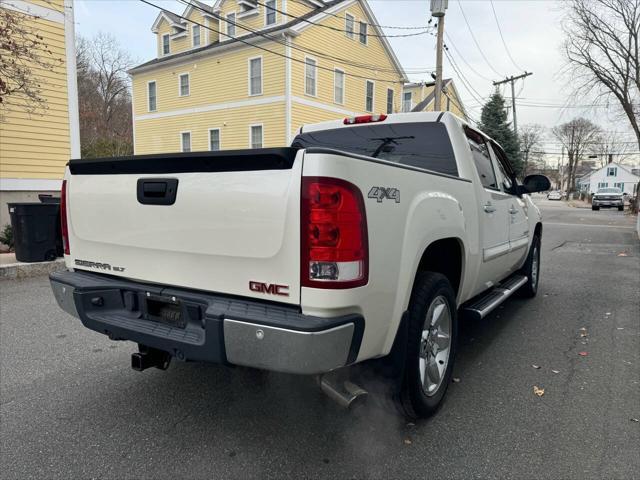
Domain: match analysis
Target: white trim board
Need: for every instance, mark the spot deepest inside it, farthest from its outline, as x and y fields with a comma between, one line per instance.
x=72, y=80
x=212, y=107
x=35, y=10
x=29, y=185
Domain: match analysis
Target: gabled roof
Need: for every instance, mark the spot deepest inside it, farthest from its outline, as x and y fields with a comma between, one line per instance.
x=209, y=11
x=228, y=43
x=170, y=17
x=432, y=94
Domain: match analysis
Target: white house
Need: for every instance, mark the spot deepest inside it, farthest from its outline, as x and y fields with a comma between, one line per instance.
x=611, y=175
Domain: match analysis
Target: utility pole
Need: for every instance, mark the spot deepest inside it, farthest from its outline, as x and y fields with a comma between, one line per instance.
x=512, y=81
x=438, y=8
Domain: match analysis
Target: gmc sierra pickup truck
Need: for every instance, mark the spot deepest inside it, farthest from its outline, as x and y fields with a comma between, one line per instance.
x=365, y=239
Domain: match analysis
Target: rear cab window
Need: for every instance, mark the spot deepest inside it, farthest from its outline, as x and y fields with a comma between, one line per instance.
x=423, y=145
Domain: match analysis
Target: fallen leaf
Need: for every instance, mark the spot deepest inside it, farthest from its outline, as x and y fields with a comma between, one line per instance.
x=537, y=367
x=538, y=391
x=583, y=354
x=634, y=420
x=623, y=254
x=620, y=328
x=555, y=371
x=608, y=313
x=456, y=380
x=407, y=441
x=583, y=334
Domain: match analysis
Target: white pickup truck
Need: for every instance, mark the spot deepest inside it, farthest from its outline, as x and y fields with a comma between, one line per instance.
x=363, y=240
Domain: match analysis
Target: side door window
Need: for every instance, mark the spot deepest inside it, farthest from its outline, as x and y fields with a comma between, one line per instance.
x=482, y=160
x=505, y=172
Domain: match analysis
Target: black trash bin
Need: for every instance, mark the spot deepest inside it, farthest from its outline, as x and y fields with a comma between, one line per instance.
x=36, y=231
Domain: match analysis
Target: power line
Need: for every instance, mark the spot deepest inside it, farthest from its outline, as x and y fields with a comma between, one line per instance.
x=404, y=35
x=372, y=24
x=502, y=37
x=450, y=41
x=465, y=83
x=476, y=41
x=259, y=47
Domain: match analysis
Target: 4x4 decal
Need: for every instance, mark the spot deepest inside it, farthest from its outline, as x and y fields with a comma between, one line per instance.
x=380, y=193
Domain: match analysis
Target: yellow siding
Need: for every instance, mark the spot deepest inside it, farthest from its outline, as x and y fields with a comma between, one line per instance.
x=37, y=145
x=297, y=8
x=215, y=79
x=163, y=134
x=420, y=92
x=252, y=22
x=57, y=5
x=373, y=57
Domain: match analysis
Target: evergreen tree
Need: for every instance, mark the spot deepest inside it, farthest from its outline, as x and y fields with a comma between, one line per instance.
x=493, y=122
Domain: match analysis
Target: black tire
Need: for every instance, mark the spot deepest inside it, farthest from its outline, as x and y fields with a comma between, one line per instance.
x=595, y=208
x=414, y=401
x=620, y=209
x=530, y=289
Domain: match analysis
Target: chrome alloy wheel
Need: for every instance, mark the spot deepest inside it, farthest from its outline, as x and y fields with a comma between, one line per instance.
x=435, y=345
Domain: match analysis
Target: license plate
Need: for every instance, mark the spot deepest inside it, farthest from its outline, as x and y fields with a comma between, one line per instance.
x=165, y=310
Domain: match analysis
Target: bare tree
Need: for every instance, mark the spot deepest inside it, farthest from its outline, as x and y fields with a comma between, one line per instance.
x=611, y=146
x=530, y=146
x=578, y=137
x=106, y=127
x=602, y=49
x=24, y=54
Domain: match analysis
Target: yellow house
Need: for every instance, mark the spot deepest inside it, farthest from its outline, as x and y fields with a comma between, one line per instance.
x=249, y=73
x=35, y=146
x=420, y=97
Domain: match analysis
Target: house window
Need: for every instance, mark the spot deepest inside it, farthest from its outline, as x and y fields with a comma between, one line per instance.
x=270, y=9
x=369, y=97
x=310, y=74
x=184, y=85
x=152, y=95
x=338, y=86
x=195, y=35
x=603, y=184
x=166, y=45
x=363, y=33
x=406, y=102
x=255, y=76
x=231, y=24
x=214, y=139
x=256, y=136
x=612, y=171
x=390, y=94
x=349, y=25
x=619, y=185
x=185, y=140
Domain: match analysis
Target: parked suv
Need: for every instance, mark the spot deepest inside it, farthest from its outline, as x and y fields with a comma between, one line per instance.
x=608, y=198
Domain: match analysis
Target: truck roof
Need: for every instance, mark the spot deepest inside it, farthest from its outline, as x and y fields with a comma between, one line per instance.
x=408, y=117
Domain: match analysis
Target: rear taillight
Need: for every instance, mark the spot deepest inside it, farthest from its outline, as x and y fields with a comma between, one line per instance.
x=333, y=237
x=63, y=218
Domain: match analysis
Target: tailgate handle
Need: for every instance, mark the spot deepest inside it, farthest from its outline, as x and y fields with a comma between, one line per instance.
x=157, y=191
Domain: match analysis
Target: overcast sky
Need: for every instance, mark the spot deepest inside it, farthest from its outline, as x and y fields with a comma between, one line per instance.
x=531, y=29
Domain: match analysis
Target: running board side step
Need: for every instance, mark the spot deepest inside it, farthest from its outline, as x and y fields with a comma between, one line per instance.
x=489, y=301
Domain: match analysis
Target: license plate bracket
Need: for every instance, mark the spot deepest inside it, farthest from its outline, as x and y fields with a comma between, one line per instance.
x=165, y=310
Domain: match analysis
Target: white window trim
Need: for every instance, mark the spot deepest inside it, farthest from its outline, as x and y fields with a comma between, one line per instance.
x=353, y=33
x=235, y=21
x=261, y=125
x=266, y=10
x=315, y=95
x=193, y=43
x=168, y=35
x=410, y=101
x=180, y=75
x=393, y=99
x=148, y=83
x=344, y=82
x=261, y=76
x=182, y=141
x=373, y=96
x=366, y=36
x=615, y=171
x=219, y=138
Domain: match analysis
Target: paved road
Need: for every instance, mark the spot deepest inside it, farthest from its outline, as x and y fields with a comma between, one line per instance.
x=72, y=407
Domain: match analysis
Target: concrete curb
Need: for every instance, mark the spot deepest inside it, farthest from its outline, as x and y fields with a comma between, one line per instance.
x=13, y=271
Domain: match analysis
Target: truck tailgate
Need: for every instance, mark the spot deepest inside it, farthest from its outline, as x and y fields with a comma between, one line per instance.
x=234, y=226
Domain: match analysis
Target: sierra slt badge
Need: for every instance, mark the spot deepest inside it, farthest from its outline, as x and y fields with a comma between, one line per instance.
x=380, y=193
x=99, y=266
x=269, y=288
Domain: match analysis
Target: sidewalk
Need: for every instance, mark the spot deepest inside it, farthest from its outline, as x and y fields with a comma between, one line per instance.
x=11, y=269
x=578, y=204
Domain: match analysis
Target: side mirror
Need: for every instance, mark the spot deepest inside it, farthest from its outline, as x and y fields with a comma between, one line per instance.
x=534, y=183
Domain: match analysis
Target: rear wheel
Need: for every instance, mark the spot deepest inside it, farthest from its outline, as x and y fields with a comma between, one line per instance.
x=430, y=353
x=531, y=270
x=621, y=208
x=593, y=207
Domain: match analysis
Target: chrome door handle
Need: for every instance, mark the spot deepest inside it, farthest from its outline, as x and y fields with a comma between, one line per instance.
x=489, y=208
x=513, y=210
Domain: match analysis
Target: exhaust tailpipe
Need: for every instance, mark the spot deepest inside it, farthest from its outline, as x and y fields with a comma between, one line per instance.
x=345, y=393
